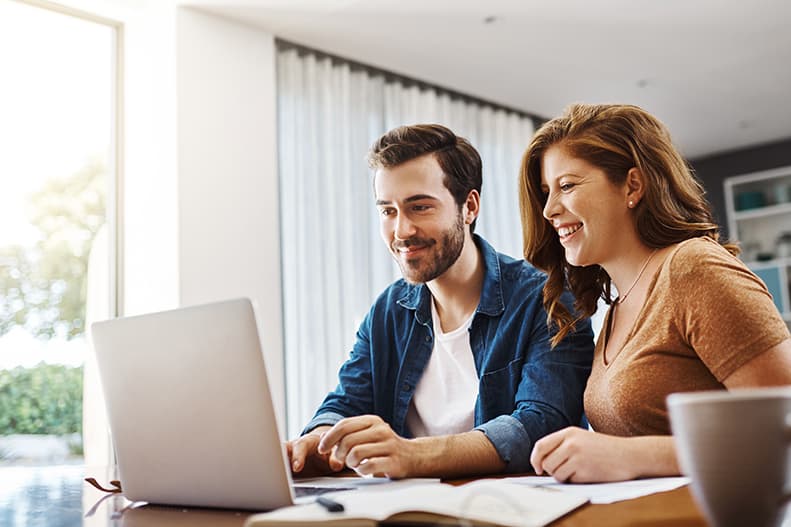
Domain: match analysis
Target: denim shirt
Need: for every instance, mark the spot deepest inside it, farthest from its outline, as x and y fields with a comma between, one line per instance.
x=527, y=390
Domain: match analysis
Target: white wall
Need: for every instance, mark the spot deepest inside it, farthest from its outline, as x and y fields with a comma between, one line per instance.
x=150, y=255
x=228, y=216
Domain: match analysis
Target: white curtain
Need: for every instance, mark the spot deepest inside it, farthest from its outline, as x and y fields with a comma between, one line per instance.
x=333, y=262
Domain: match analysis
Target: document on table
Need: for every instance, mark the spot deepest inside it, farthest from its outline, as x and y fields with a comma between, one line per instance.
x=359, y=482
x=483, y=502
x=605, y=492
x=343, y=483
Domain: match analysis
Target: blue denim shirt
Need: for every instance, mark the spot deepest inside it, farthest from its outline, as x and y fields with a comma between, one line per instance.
x=527, y=390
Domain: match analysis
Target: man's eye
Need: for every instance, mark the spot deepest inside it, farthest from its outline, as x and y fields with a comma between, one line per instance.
x=421, y=208
x=386, y=212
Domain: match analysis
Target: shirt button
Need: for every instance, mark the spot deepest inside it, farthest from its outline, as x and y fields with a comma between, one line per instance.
x=406, y=387
x=428, y=338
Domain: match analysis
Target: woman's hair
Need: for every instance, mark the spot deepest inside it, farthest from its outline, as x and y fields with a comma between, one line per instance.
x=614, y=138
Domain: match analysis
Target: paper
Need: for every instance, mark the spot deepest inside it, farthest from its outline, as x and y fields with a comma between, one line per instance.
x=601, y=493
x=357, y=481
x=485, y=501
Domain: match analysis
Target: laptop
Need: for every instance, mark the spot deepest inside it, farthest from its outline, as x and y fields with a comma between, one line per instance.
x=190, y=410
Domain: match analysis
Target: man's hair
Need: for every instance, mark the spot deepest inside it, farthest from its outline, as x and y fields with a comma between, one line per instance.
x=457, y=158
x=614, y=138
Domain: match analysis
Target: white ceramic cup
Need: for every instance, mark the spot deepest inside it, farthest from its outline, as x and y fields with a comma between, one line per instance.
x=734, y=446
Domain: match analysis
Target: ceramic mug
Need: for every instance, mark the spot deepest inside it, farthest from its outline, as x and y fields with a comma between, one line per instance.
x=734, y=446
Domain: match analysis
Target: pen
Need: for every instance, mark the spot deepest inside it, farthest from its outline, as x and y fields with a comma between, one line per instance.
x=330, y=505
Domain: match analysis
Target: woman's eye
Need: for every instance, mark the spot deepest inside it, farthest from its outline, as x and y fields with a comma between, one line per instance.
x=566, y=186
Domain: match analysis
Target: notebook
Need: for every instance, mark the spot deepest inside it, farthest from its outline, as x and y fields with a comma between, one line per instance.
x=190, y=411
x=486, y=502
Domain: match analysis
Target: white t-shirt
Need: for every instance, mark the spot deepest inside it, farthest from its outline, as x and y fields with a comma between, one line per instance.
x=444, y=399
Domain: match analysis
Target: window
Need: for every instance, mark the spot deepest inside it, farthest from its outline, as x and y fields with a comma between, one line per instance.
x=58, y=119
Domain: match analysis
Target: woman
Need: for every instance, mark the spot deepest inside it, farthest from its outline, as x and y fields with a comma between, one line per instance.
x=607, y=200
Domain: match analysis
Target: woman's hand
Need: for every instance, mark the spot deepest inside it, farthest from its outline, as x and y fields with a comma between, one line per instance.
x=575, y=455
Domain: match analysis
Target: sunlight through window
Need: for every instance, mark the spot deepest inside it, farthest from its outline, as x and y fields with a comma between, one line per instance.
x=56, y=134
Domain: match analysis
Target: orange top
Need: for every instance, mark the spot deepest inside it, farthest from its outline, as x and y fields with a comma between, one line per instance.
x=706, y=314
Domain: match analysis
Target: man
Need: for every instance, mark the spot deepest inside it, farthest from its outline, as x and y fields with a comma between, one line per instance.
x=452, y=371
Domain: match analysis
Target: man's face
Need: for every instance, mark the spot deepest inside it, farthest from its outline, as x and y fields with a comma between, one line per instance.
x=419, y=219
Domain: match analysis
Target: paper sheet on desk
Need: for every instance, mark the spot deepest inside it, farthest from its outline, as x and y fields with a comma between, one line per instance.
x=344, y=482
x=602, y=493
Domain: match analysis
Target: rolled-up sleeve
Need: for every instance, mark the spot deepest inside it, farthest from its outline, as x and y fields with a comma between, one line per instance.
x=550, y=390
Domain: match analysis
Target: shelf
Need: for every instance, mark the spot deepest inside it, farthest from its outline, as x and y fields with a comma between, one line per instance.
x=760, y=229
x=762, y=212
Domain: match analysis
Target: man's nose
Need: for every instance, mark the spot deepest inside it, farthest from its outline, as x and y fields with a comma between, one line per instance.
x=405, y=228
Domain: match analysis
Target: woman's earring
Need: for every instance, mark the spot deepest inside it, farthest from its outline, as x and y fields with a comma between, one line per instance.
x=631, y=204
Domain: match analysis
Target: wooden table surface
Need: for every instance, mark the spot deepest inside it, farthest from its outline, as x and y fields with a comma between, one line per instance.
x=57, y=497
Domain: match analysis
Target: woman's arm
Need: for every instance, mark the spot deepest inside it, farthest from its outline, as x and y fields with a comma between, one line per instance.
x=581, y=456
x=576, y=455
x=770, y=368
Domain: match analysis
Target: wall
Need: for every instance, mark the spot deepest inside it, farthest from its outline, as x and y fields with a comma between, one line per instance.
x=228, y=216
x=713, y=170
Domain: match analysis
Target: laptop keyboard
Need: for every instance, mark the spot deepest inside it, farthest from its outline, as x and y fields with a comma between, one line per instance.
x=301, y=492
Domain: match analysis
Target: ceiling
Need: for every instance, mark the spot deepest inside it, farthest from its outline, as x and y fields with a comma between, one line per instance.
x=717, y=72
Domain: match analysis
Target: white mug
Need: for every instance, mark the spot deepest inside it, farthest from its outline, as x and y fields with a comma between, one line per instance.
x=734, y=446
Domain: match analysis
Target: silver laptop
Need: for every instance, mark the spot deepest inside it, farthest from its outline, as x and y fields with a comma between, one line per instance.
x=190, y=409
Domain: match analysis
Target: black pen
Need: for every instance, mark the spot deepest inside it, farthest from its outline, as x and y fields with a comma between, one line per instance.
x=330, y=505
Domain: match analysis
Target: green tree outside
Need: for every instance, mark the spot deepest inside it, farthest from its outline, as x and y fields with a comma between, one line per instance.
x=43, y=289
x=45, y=399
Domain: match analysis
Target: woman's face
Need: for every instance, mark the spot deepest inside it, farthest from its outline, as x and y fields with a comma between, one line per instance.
x=589, y=213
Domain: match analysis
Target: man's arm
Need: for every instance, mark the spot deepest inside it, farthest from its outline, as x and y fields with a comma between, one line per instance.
x=352, y=396
x=551, y=385
x=354, y=393
x=368, y=445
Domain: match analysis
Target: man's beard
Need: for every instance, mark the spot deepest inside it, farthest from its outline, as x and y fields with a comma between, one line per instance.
x=434, y=263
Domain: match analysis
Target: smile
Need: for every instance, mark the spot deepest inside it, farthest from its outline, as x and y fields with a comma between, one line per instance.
x=409, y=251
x=565, y=232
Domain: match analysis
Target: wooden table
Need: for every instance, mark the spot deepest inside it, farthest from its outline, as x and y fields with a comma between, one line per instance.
x=666, y=509
x=57, y=497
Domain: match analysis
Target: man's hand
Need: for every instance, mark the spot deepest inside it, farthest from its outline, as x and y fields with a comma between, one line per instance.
x=304, y=456
x=369, y=446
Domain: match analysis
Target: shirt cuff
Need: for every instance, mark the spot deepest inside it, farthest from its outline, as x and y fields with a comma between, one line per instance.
x=511, y=441
x=328, y=418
